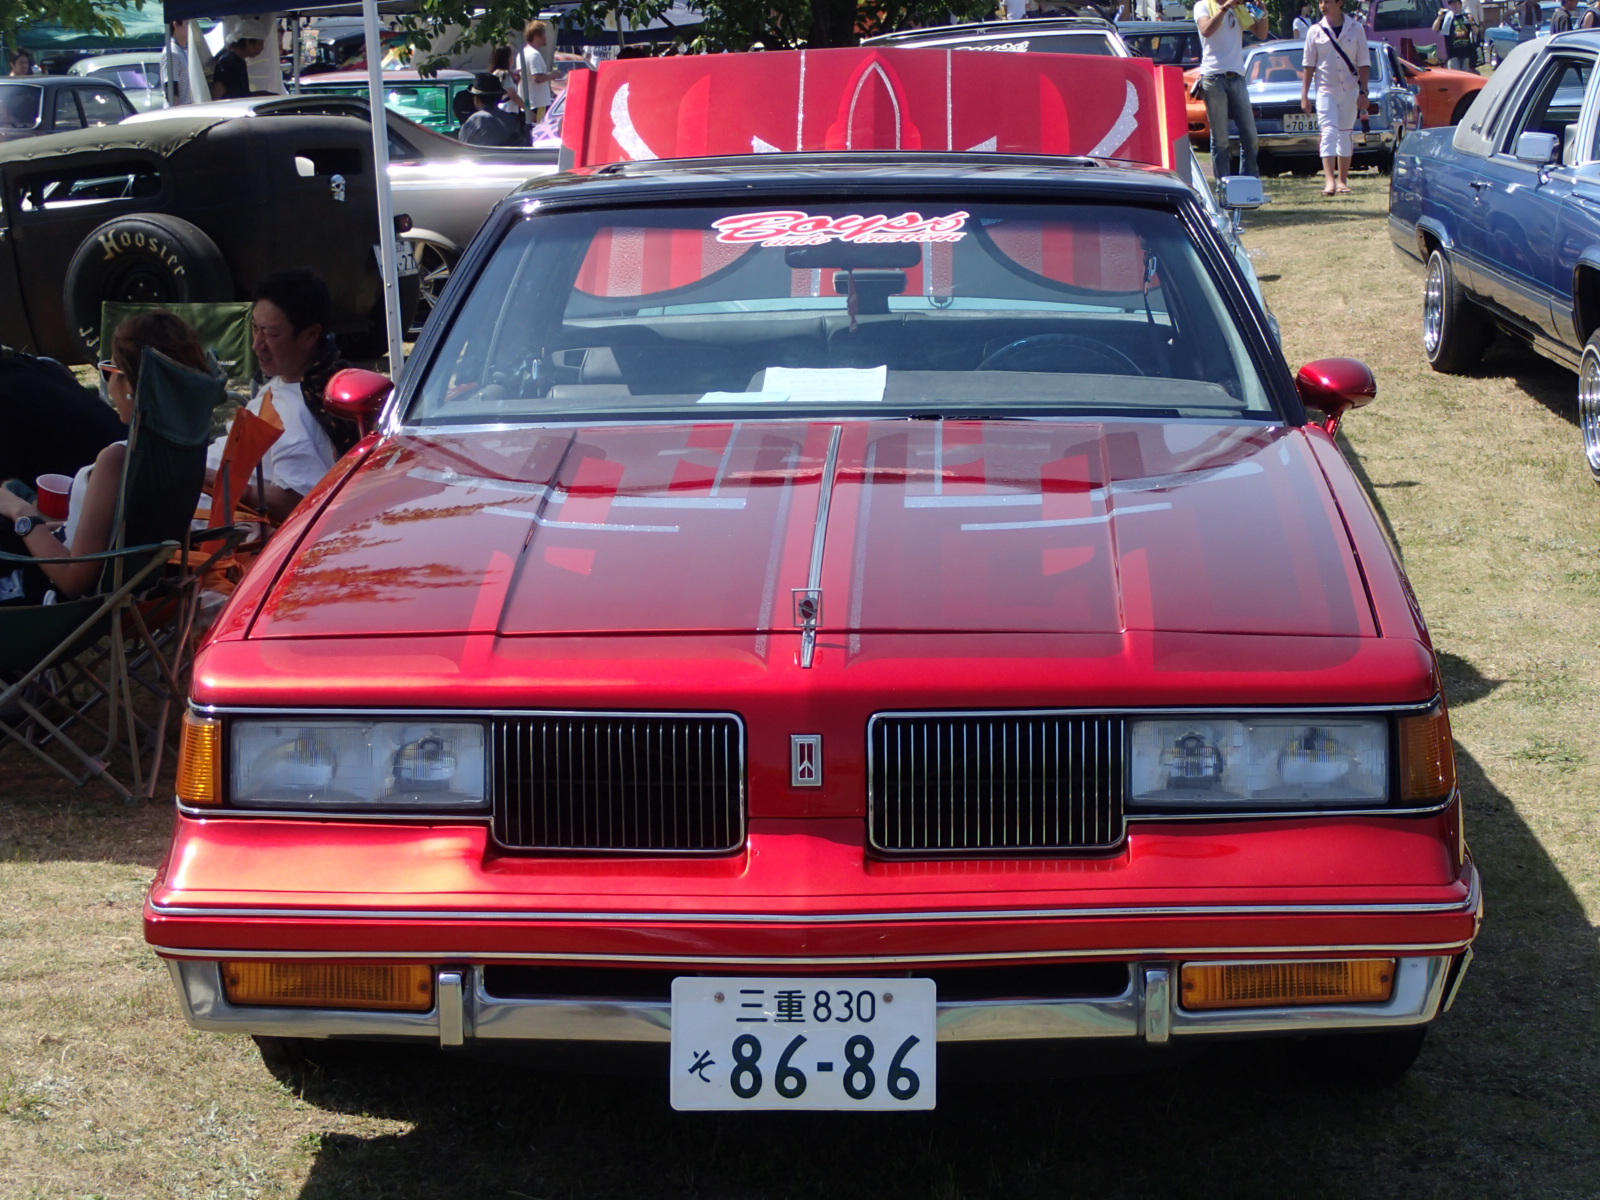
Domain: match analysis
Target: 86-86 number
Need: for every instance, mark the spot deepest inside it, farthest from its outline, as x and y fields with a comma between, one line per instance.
x=860, y=1076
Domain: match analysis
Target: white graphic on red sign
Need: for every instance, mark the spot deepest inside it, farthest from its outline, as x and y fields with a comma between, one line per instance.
x=789, y=228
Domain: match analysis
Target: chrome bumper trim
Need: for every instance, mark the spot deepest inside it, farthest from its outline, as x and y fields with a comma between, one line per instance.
x=770, y=964
x=1146, y=1010
x=1464, y=906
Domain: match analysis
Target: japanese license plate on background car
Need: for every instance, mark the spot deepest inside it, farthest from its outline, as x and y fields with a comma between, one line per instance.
x=1299, y=123
x=803, y=1043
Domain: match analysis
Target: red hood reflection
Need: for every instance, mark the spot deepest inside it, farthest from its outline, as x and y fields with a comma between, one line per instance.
x=933, y=526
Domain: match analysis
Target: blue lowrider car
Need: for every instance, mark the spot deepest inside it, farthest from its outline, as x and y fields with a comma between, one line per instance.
x=1502, y=214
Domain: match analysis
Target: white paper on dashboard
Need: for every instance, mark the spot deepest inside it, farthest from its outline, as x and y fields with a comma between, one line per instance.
x=743, y=398
x=814, y=385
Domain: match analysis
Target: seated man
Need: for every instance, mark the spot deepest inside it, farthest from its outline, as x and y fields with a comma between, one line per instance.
x=289, y=326
x=490, y=125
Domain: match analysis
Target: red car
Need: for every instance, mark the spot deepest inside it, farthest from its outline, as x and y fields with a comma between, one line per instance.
x=813, y=613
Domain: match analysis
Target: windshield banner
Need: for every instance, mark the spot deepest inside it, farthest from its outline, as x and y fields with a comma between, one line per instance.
x=695, y=105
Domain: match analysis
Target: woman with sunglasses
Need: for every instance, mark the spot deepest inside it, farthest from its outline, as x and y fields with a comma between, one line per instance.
x=95, y=488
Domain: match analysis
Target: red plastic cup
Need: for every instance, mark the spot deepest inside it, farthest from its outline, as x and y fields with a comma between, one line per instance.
x=55, y=493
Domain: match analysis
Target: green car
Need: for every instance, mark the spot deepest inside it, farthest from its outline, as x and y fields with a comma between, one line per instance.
x=428, y=100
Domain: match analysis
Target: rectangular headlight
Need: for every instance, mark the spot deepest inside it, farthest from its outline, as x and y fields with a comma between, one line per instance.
x=1259, y=762
x=356, y=764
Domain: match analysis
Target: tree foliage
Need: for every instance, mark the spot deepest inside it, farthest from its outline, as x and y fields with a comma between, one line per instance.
x=727, y=24
x=85, y=15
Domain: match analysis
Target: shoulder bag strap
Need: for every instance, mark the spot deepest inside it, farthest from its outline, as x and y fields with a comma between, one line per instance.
x=1333, y=40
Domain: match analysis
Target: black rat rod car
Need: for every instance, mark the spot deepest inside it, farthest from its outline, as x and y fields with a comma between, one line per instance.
x=195, y=207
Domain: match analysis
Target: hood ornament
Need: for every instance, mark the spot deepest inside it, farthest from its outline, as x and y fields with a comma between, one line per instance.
x=808, y=600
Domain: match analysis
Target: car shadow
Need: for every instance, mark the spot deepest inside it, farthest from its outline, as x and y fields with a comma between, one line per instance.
x=1551, y=384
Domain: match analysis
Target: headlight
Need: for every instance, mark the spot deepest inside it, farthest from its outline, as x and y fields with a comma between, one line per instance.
x=1207, y=762
x=355, y=765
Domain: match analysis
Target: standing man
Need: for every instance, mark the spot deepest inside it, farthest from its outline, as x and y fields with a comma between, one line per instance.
x=1222, y=78
x=1561, y=20
x=1460, y=38
x=175, y=64
x=490, y=125
x=1338, y=62
x=534, y=77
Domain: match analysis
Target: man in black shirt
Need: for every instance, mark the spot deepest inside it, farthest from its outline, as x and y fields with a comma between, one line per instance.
x=230, y=76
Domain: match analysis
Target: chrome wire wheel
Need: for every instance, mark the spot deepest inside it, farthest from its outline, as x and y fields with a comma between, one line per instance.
x=433, y=272
x=1589, y=407
x=1433, y=299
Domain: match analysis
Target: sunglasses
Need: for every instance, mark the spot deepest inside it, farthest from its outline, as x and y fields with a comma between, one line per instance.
x=107, y=369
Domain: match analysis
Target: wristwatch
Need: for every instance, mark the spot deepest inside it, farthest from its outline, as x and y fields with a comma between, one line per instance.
x=25, y=525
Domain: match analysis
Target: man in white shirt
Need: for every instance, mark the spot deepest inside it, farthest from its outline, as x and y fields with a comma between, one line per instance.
x=1338, y=63
x=534, y=77
x=287, y=325
x=1222, y=78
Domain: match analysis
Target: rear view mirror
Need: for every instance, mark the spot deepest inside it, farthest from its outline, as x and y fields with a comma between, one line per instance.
x=1243, y=191
x=1333, y=386
x=358, y=396
x=854, y=256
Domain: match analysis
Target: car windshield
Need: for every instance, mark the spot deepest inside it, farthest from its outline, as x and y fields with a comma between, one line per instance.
x=898, y=307
x=1283, y=64
x=19, y=106
x=1180, y=49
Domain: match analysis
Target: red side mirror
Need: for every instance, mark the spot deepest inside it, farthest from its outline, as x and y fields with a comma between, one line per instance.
x=1333, y=386
x=358, y=396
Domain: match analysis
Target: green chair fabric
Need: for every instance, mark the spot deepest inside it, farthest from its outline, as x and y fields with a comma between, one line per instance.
x=224, y=328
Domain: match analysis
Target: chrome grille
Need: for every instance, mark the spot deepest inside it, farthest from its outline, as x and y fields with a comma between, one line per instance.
x=622, y=783
x=958, y=782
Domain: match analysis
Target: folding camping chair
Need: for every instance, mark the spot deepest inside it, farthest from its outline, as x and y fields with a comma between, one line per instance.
x=249, y=438
x=70, y=669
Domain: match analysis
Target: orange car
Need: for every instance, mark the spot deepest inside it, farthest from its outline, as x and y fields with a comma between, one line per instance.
x=1443, y=95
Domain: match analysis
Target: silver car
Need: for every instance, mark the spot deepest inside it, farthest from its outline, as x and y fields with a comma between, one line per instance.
x=1272, y=71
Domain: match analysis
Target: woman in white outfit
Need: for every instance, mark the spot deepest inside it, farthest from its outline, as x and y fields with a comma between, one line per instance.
x=1337, y=63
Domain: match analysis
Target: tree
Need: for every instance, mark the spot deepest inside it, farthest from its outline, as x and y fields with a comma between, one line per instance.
x=86, y=15
x=727, y=24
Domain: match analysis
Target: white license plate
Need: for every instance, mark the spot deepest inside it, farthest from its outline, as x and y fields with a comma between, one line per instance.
x=803, y=1043
x=405, y=258
x=1299, y=123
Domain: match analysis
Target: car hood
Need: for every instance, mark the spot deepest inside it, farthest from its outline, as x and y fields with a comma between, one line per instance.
x=928, y=527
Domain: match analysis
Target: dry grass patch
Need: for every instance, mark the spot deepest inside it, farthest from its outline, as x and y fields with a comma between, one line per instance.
x=103, y=1091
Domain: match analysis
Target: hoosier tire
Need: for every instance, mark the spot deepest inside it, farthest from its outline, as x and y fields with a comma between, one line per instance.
x=150, y=258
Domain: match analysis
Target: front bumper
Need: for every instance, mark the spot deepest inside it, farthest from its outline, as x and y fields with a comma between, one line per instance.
x=1146, y=1011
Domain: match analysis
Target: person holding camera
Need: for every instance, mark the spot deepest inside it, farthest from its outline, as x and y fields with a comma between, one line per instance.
x=1222, y=77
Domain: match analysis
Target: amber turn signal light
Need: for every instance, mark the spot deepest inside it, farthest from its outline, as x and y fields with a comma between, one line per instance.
x=1427, y=757
x=392, y=987
x=200, y=762
x=1274, y=984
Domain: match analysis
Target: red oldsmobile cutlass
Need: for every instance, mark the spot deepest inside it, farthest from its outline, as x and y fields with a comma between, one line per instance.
x=814, y=611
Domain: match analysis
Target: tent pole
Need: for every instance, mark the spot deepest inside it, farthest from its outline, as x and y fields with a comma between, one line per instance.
x=380, y=166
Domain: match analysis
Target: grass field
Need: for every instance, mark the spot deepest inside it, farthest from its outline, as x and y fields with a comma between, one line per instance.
x=104, y=1091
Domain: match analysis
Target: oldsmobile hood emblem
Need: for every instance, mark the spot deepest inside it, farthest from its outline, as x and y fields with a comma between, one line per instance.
x=805, y=760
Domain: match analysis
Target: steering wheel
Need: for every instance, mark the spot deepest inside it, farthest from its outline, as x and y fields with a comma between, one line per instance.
x=1048, y=346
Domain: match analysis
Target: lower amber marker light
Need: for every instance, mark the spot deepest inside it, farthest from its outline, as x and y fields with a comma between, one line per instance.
x=391, y=987
x=1275, y=984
